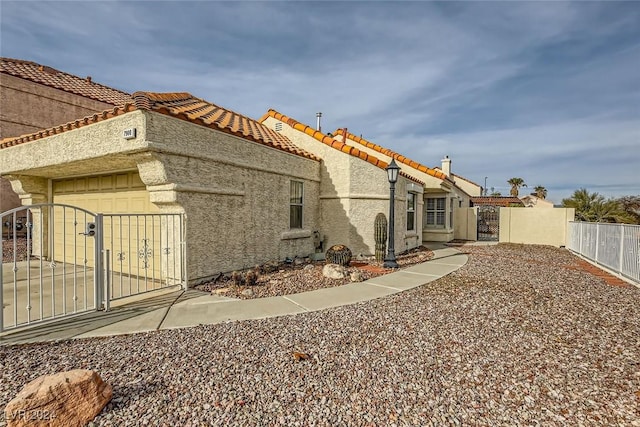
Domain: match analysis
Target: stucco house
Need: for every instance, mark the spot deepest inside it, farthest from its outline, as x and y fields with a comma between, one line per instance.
x=442, y=193
x=35, y=97
x=251, y=191
x=239, y=183
x=354, y=189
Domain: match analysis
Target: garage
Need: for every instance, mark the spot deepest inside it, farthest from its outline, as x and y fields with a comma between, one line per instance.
x=125, y=236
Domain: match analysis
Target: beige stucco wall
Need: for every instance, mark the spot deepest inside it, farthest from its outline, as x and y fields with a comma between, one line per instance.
x=234, y=192
x=352, y=192
x=88, y=150
x=471, y=189
x=535, y=226
x=466, y=223
x=433, y=187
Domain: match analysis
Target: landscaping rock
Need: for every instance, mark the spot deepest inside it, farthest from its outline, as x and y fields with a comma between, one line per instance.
x=334, y=271
x=247, y=292
x=356, y=276
x=71, y=398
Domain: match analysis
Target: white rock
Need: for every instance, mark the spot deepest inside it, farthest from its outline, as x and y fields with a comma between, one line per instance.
x=356, y=276
x=334, y=271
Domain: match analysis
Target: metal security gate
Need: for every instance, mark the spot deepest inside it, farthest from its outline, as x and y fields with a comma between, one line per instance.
x=143, y=253
x=60, y=260
x=488, y=223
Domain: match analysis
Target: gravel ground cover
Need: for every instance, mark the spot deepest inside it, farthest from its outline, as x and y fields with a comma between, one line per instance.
x=292, y=278
x=17, y=248
x=518, y=336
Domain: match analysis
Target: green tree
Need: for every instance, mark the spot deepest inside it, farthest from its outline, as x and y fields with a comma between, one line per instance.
x=496, y=194
x=540, y=192
x=631, y=205
x=515, y=184
x=593, y=207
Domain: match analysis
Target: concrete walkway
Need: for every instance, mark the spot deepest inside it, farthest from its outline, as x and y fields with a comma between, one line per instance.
x=179, y=309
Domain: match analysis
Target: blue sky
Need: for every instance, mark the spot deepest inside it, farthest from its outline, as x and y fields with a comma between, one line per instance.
x=545, y=91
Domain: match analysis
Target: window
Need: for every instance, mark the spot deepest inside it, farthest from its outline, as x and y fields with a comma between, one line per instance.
x=435, y=212
x=295, y=204
x=411, y=211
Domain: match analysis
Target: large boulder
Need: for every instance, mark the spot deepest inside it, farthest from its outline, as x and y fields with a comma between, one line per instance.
x=71, y=398
x=334, y=271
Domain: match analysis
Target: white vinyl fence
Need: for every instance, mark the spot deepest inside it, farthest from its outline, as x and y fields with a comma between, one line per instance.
x=615, y=246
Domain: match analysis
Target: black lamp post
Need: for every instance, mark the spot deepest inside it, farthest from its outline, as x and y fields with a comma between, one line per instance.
x=392, y=175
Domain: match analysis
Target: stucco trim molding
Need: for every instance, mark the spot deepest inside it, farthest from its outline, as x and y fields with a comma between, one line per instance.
x=181, y=188
x=295, y=234
x=357, y=196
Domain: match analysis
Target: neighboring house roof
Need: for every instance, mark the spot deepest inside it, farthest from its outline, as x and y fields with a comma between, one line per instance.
x=333, y=143
x=393, y=154
x=505, y=201
x=51, y=77
x=531, y=200
x=185, y=107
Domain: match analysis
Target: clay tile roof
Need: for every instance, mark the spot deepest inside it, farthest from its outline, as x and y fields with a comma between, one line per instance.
x=400, y=158
x=187, y=107
x=505, y=201
x=325, y=139
x=94, y=118
x=60, y=80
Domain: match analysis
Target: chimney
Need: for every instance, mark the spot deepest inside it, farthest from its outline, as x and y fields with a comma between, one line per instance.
x=318, y=127
x=446, y=166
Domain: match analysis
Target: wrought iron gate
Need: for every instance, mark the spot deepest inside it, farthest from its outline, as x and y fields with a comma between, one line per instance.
x=60, y=260
x=488, y=223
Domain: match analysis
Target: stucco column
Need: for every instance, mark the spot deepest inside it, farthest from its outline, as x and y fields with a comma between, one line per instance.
x=34, y=190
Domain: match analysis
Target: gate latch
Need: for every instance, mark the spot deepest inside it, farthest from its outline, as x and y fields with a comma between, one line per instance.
x=90, y=229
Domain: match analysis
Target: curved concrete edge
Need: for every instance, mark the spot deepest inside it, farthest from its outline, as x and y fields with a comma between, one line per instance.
x=210, y=309
x=188, y=309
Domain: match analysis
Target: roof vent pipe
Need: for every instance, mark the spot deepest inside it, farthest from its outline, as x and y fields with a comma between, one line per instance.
x=318, y=127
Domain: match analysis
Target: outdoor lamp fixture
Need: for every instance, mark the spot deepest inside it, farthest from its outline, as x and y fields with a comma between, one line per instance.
x=392, y=175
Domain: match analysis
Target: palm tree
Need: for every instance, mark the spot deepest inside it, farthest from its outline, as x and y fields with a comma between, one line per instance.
x=540, y=192
x=515, y=184
x=593, y=207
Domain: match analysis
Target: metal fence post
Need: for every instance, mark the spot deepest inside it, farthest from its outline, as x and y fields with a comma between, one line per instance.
x=107, y=281
x=97, y=260
x=597, y=240
x=581, y=239
x=621, y=249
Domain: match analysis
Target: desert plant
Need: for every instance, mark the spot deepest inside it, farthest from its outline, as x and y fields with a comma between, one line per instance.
x=251, y=277
x=338, y=254
x=380, y=236
x=237, y=279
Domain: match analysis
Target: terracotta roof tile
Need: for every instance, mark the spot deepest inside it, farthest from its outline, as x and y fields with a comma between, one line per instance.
x=505, y=201
x=186, y=107
x=97, y=117
x=327, y=140
x=399, y=157
x=67, y=82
